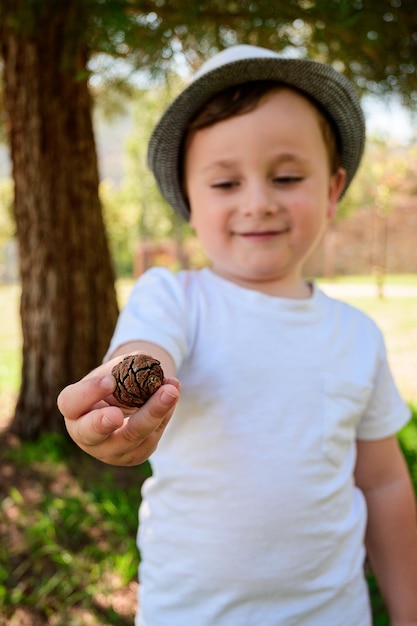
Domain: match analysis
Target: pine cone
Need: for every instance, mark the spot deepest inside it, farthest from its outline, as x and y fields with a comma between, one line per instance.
x=138, y=377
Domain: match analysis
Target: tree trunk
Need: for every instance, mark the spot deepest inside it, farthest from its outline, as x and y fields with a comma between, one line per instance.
x=68, y=304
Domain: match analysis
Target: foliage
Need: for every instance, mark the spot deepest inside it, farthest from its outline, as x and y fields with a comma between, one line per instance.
x=121, y=225
x=136, y=212
x=386, y=173
x=387, y=169
x=408, y=440
x=155, y=217
x=373, y=42
x=7, y=226
x=10, y=342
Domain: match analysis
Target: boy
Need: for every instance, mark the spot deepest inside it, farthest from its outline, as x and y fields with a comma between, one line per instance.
x=280, y=461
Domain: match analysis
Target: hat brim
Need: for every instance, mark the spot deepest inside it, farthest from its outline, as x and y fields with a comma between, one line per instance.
x=332, y=91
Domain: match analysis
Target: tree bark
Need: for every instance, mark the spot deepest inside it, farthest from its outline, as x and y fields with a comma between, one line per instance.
x=68, y=303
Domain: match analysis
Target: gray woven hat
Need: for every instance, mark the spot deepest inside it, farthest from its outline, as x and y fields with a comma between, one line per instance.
x=239, y=64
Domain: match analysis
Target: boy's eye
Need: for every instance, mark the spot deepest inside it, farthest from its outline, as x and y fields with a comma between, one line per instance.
x=224, y=184
x=288, y=179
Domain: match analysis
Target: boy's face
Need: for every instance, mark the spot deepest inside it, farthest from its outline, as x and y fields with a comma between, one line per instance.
x=261, y=192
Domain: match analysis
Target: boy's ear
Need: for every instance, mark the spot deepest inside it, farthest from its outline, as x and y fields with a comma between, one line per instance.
x=337, y=182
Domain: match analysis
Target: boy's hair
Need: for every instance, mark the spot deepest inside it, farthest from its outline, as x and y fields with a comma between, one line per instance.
x=244, y=98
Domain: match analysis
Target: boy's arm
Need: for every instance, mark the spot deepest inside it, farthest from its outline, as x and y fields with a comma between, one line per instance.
x=111, y=433
x=391, y=537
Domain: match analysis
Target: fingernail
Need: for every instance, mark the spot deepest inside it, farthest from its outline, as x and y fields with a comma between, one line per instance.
x=168, y=397
x=108, y=382
x=107, y=423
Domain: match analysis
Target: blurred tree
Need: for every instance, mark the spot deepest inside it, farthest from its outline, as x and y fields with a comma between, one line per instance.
x=135, y=215
x=156, y=219
x=120, y=219
x=374, y=42
x=50, y=49
x=68, y=303
x=387, y=171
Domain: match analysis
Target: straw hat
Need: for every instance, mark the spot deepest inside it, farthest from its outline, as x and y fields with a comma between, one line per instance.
x=239, y=64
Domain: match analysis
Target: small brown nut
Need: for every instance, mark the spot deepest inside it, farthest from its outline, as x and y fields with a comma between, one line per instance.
x=138, y=377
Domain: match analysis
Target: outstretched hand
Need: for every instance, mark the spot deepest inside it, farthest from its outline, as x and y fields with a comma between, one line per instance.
x=109, y=432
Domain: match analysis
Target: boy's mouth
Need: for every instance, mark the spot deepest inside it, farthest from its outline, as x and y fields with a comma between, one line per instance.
x=262, y=235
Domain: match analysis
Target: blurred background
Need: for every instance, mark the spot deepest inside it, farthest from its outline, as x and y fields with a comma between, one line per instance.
x=80, y=219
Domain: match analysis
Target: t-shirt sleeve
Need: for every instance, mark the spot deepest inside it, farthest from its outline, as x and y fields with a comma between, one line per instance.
x=154, y=312
x=386, y=411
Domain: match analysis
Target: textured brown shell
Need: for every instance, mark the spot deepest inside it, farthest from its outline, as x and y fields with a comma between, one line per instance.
x=138, y=377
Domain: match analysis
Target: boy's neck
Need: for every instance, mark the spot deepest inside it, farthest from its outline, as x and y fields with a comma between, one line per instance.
x=299, y=290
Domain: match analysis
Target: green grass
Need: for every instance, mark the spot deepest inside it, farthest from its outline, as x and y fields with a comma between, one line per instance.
x=68, y=523
x=67, y=533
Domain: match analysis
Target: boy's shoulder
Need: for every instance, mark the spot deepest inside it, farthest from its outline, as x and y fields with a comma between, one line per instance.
x=177, y=286
x=347, y=315
x=167, y=276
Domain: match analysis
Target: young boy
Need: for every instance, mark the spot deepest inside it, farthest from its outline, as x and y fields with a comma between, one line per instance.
x=280, y=462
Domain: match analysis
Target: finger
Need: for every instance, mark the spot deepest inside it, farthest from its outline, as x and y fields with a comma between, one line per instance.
x=78, y=398
x=138, y=438
x=152, y=416
x=105, y=433
x=173, y=381
x=96, y=426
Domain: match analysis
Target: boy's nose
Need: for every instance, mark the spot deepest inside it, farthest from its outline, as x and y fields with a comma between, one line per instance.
x=259, y=199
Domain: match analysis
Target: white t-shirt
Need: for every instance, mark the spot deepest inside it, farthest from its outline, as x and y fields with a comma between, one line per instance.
x=251, y=517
